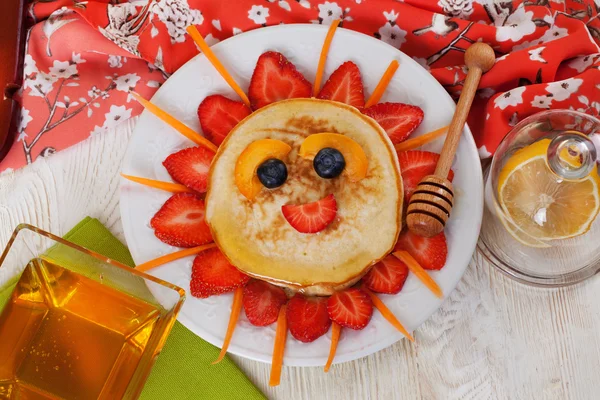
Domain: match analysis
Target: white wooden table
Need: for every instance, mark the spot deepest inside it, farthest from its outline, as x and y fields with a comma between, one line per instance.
x=492, y=339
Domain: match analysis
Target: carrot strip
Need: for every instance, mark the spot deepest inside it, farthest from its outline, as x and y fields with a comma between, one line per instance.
x=387, y=314
x=148, y=265
x=175, y=123
x=383, y=84
x=421, y=140
x=419, y=272
x=279, y=348
x=235, y=313
x=166, y=186
x=323, y=57
x=197, y=37
x=335, y=338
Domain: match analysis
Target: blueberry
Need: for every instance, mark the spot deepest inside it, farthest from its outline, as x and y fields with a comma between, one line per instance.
x=272, y=173
x=329, y=163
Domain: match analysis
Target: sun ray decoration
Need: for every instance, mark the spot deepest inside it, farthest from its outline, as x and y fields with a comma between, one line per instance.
x=235, y=314
x=383, y=84
x=419, y=272
x=157, y=262
x=175, y=123
x=278, y=348
x=206, y=50
x=166, y=186
x=420, y=140
x=238, y=298
x=323, y=57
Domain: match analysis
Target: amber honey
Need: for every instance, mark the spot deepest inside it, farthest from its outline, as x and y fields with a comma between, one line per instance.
x=66, y=336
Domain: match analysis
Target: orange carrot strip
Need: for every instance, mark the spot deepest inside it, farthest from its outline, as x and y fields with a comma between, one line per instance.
x=167, y=186
x=148, y=265
x=323, y=57
x=197, y=37
x=235, y=313
x=387, y=314
x=335, y=338
x=383, y=84
x=419, y=272
x=279, y=348
x=175, y=123
x=421, y=140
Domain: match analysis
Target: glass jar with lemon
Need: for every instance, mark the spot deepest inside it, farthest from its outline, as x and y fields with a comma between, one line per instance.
x=542, y=197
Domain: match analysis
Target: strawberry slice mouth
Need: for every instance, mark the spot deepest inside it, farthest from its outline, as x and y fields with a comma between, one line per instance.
x=311, y=217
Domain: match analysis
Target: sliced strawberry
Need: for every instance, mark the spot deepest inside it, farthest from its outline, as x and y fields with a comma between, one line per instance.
x=430, y=253
x=311, y=217
x=351, y=308
x=180, y=221
x=262, y=302
x=190, y=167
x=387, y=276
x=213, y=274
x=219, y=115
x=416, y=165
x=397, y=119
x=275, y=79
x=307, y=317
x=344, y=85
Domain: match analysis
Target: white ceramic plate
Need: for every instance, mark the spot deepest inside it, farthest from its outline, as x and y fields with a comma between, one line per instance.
x=153, y=141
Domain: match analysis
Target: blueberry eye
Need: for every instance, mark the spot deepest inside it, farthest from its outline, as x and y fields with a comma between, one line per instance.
x=329, y=163
x=272, y=173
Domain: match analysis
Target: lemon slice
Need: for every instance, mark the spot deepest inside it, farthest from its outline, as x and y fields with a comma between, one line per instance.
x=519, y=234
x=542, y=205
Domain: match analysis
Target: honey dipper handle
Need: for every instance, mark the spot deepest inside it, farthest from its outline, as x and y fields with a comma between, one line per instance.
x=479, y=58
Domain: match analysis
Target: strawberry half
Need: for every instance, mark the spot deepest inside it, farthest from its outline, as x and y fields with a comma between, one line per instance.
x=351, y=308
x=212, y=274
x=180, y=221
x=430, y=253
x=275, y=79
x=307, y=317
x=311, y=217
x=344, y=85
x=397, y=119
x=262, y=302
x=387, y=276
x=416, y=165
x=190, y=167
x=219, y=115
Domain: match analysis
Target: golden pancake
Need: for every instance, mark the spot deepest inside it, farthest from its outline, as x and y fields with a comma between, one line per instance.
x=258, y=240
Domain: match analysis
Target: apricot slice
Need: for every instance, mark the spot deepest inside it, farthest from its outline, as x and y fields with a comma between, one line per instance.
x=356, y=160
x=248, y=162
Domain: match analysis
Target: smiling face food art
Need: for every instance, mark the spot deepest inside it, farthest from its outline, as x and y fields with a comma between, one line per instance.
x=294, y=203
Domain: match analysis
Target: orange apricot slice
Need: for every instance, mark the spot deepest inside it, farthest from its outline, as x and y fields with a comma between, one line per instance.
x=248, y=162
x=356, y=160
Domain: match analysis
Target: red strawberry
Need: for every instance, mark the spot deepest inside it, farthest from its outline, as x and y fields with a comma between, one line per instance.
x=262, y=302
x=397, y=119
x=190, y=166
x=387, y=276
x=415, y=165
x=180, y=221
x=430, y=253
x=213, y=274
x=275, y=79
x=219, y=115
x=351, y=308
x=311, y=217
x=307, y=317
x=345, y=86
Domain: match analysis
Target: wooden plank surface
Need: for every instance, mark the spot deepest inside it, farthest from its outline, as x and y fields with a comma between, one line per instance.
x=492, y=339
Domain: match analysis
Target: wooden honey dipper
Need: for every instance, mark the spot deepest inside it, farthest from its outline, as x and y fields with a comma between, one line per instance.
x=430, y=205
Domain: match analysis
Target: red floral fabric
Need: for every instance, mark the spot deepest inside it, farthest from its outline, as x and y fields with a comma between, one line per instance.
x=84, y=56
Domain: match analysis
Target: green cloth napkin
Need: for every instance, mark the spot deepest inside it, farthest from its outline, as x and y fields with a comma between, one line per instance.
x=183, y=370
